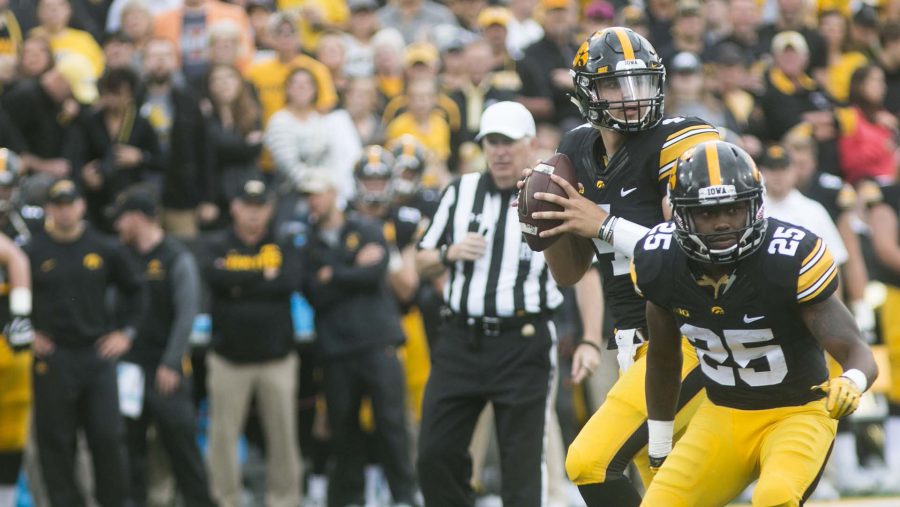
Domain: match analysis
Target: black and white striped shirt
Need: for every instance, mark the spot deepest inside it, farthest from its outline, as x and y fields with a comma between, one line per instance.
x=510, y=278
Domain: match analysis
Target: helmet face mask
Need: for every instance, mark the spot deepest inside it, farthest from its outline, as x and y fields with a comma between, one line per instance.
x=373, y=175
x=716, y=177
x=409, y=166
x=619, y=81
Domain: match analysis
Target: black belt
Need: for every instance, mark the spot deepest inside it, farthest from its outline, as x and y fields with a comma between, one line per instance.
x=493, y=326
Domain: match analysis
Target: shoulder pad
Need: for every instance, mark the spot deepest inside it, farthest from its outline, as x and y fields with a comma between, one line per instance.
x=409, y=214
x=830, y=181
x=651, y=254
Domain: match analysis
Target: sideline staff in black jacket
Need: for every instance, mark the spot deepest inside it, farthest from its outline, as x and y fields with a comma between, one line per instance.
x=76, y=344
x=358, y=328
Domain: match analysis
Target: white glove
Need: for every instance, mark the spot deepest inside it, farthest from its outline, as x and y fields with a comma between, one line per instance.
x=865, y=319
x=627, y=348
x=19, y=333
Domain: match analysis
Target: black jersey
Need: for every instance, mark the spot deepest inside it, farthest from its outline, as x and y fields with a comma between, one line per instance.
x=401, y=225
x=754, y=349
x=630, y=185
x=832, y=193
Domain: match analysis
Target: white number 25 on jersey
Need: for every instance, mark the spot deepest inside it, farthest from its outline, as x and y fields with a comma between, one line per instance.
x=744, y=346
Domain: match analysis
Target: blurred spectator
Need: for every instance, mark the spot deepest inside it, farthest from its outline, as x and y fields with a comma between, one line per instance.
x=44, y=109
x=544, y=68
x=388, y=50
x=522, y=29
x=234, y=128
x=727, y=75
x=300, y=138
x=251, y=278
x=794, y=15
x=36, y=58
x=137, y=23
x=360, y=101
x=421, y=120
x=467, y=12
x=688, y=96
x=224, y=44
x=188, y=27
x=345, y=264
x=660, y=14
x=868, y=147
x=745, y=22
x=77, y=343
x=636, y=19
x=415, y=18
x=864, y=31
x=597, y=15
x=160, y=347
x=315, y=17
x=479, y=91
x=258, y=12
x=718, y=21
x=492, y=23
x=54, y=17
x=454, y=73
x=175, y=116
x=115, y=147
x=331, y=51
x=359, y=60
x=687, y=32
x=269, y=76
x=119, y=51
x=115, y=19
x=890, y=63
x=841, y=61
x=10, y=31
x=91, y=16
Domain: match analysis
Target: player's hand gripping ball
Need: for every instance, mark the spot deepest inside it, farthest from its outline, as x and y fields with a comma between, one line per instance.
x=540, y=181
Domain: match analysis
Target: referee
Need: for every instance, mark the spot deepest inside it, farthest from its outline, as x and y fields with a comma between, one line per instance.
x=498, y=343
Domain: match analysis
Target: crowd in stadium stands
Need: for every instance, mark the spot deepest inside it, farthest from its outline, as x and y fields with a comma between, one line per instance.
x=299, y=148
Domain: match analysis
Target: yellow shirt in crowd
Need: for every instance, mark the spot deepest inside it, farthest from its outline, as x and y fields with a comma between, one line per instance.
x=435, y=136
x=80, y=42
x=268, y=77
x=334, y=12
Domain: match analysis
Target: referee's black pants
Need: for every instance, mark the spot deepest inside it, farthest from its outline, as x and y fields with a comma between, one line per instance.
x=75, y=388
x=175, y=422
x=512, y=370
x=376, y=373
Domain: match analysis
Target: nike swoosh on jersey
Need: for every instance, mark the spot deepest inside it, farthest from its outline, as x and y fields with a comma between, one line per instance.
x=624, y=192
x=748, y=319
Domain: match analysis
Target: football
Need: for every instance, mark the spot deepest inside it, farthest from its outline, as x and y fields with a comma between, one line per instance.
x=539, y=181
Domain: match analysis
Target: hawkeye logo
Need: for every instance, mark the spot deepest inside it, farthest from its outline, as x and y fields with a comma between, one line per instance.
x=717, y=310
x=92, y=261
x=155, y=270
x=269, y=256
x=682, y=312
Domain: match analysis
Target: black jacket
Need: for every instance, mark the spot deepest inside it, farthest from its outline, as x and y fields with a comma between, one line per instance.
x=187, y=164
x=251, y=315
x=233, y=159
x=355, y=311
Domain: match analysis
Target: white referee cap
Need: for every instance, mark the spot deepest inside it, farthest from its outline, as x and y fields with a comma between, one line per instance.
x=509, y=119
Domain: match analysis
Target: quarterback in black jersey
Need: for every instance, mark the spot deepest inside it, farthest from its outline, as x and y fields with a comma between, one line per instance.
x=623, y=155
x=755, y=297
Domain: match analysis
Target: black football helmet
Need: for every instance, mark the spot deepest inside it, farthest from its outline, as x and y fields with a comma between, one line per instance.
x=619, y=81
x=373, y=173
x=711, y=174
x=409, y=165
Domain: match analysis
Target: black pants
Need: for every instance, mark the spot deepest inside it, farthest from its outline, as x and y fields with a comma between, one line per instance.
x=376, y=373
x=514, y=371
x=173, y=417
x=76, y=388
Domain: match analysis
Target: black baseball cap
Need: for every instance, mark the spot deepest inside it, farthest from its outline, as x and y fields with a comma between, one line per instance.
x=63, y=191
x=362, y=5
x=140, y=200
x=775, y=157
x=254, y=191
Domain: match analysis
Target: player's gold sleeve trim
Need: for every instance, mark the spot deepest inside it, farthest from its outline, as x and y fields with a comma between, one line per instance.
x=816, y=273
x=679, y=142
x=627, y=48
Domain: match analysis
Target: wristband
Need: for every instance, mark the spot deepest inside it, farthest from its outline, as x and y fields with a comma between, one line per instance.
x=858, y=378
x=589, y=344
x=659, y=435
x=606, y=229
x=625, y=236
x=20, y=301
x=442, y=255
